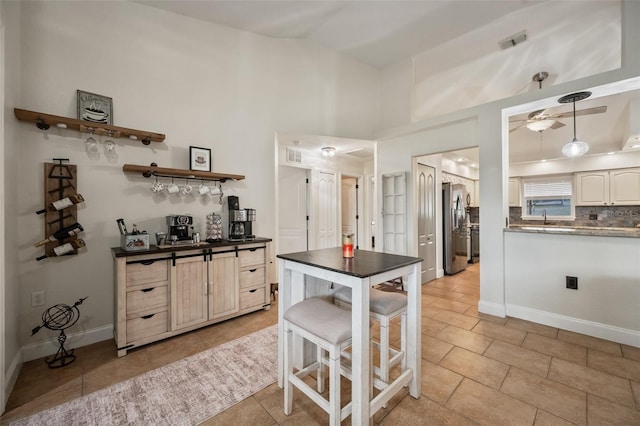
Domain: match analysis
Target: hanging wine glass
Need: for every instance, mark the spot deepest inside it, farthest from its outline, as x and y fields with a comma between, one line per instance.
x=90, y=144
x=109, y=145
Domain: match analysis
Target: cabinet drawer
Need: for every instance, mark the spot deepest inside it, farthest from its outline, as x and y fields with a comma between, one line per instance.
x=252, y=277
x=251, y=257
x=148, y=325
x=251, y=298
x=150, y=299
x=151, y=271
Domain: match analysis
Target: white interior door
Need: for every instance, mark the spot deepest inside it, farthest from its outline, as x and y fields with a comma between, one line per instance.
x=425, y=184
x=349, y=208
x=293, y=210
x=327, y=217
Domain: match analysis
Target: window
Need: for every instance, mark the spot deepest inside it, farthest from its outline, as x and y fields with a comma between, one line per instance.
x=550, y=197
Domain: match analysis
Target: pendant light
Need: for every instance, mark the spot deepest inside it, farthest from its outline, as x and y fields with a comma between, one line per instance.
x=576, y=147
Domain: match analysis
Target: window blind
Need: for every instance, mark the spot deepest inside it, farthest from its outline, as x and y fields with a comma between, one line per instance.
x=560, y=187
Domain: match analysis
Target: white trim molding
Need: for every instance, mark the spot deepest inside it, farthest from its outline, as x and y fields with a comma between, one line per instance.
x=74, y=340
x=590, y=328
x=490, y=308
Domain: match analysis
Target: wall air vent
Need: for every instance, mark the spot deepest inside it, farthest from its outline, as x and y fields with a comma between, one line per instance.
x=294, y=156
x=513, y=40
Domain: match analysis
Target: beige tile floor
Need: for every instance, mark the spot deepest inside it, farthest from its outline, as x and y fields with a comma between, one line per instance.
x=476, y=369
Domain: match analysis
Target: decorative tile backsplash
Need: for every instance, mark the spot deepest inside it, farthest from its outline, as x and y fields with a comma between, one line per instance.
x=601, y=216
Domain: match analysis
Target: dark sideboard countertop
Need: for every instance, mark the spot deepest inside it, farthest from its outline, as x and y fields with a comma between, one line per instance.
x=119, y=252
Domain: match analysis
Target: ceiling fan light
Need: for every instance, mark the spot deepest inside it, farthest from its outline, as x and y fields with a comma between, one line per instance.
x=575, y=148
x=328, y=151
x=540, y=125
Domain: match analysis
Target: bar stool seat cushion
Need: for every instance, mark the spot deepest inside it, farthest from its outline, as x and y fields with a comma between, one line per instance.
x=321, y=318
x=380, y=302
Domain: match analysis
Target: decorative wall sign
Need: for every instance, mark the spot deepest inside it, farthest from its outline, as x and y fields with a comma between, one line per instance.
x=199, y=159
x=95, y=108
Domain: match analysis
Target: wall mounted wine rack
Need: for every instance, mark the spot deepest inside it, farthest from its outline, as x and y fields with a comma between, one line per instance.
x=60, y=181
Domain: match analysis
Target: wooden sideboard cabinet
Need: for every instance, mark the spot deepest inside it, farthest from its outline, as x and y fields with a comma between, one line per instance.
x=165, y=292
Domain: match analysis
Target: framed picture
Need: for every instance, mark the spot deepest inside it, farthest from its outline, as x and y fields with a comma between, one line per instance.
x=200, y=159
x=95, y=108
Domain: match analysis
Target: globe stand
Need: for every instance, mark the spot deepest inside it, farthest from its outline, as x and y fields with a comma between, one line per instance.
x=60, y=317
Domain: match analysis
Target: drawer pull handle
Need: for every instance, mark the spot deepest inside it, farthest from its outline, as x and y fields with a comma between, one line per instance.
x=147, y=290
x=253, y=291
x=147, y=262
x=147, y=316
x=252, y=270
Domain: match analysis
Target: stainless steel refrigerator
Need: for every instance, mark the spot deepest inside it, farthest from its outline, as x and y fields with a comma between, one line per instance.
x=454, y=228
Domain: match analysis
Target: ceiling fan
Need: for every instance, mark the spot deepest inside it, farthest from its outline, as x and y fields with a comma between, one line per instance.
x=543, y=119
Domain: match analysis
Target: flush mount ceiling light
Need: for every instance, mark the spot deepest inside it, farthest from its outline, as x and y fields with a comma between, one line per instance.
x=540, y=125
x=328, y=151
x=576, y=147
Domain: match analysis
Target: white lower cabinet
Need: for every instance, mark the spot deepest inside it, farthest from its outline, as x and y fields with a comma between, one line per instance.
x=164, y=294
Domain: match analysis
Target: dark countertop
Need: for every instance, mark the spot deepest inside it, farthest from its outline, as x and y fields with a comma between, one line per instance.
x=363, y=264
x=118, y=252
x=576, y=230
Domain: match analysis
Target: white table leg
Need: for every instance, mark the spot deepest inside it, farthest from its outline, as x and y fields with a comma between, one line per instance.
x=284, y=302
x=414, y=302
x=361, y=357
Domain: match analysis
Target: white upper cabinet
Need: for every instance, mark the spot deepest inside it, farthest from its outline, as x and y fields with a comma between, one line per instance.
x=514, y=192
x=613, y=187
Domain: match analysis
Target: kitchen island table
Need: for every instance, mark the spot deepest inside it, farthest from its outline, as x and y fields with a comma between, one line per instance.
x=297, y=271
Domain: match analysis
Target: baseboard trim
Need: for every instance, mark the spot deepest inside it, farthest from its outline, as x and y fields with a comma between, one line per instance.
x=590, y=328
x=490, y=308
x=74, y=340
x=11, y=375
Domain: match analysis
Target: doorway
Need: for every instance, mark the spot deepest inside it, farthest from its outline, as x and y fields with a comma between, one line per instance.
x=426, y=188
x=350, y=210
x=293, y=209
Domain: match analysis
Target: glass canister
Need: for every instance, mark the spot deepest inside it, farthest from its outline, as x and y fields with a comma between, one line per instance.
x=347, y=245
x=214, y=227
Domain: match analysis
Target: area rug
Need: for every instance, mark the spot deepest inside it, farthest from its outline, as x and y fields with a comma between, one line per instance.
x=185, y=392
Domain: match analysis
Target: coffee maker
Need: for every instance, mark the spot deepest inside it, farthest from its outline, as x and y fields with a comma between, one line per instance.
x=179, y=227
x=237, y=219
x=251, y=217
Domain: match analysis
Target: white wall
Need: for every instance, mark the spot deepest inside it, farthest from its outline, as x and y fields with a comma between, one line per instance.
x=607, y=302
x=200, y=84
x=9, y=196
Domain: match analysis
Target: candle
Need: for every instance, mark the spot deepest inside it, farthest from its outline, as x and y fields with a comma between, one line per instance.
x=347, y=245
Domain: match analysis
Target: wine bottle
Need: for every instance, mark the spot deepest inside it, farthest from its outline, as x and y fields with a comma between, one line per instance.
x=63, y=249
x=66, y=232
x=62, y=203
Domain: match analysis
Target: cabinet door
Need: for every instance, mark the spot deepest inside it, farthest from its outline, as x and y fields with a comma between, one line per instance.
x=188, y=292
x=224, y=289
x=592, y=188
x=476, y=193
x=624, y=186
x=514, y=192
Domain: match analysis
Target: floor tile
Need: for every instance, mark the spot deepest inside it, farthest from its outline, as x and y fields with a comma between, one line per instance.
x=454, y=318
x=487, y=406
x=590, y=342
x=465, y=339
x=547, y=419
x=438, y=383
x=543, y=330
x=500, y=332
x=556, y=348
x=432, y=327
x=477, y=367
x=451, y=305
x=635, y=388
x=423, y=411
x=603, y=412
x=617, y=365
x=558, y=399
x=526, y=359
x=247, y=412
x=631, y=352
x=433, y=350
x=592, y=381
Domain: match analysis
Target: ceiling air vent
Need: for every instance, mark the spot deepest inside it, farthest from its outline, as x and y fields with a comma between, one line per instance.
x=294, y=156
x=513, y=40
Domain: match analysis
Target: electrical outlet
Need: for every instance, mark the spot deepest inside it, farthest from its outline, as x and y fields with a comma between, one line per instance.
x=37, y=299
x=572, y=282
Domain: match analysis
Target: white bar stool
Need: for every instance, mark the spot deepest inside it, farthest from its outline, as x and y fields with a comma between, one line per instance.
x=383, y=307
x=329, y=327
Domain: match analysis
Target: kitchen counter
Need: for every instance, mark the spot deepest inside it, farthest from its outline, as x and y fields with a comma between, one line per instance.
x=576, y=230
x=119, y=252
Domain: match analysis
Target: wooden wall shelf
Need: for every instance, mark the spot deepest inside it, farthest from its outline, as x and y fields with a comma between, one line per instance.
x=44, y=121
x=154, y=170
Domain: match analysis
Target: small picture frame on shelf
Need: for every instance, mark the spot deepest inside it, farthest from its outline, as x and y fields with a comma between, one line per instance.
x=95, y=108
x=199, y=159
